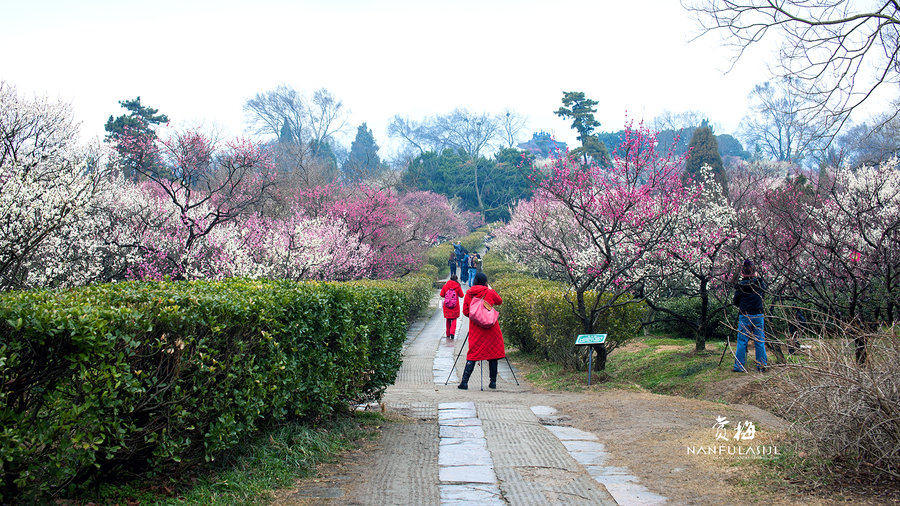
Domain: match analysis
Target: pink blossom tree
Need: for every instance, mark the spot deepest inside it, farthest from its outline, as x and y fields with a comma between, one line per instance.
x=595, y=227
x=695, y=261
x=195, y=186
x=834, y=243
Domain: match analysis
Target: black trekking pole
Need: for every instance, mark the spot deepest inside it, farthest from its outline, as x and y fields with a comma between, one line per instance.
x=457, y=357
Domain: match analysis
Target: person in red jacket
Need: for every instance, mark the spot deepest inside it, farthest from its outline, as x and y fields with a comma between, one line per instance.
x=451, y=313
x=484, y=344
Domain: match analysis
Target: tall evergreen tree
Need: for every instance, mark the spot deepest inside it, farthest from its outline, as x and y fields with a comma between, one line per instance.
x=363, y=161
x=138, y=123
x=581, y=110
x=139, y=120
x=704, y=150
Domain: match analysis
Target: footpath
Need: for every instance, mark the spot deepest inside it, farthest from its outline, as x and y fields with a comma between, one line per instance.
x=512, y=445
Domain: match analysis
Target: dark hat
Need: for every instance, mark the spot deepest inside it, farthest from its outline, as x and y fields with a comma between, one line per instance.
x=748, y=269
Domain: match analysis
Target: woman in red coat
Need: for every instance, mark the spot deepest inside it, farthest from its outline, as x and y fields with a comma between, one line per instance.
x=451, y=313
x=484, y=344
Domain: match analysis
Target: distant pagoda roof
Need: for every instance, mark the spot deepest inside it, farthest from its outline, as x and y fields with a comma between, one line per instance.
x=542, y=145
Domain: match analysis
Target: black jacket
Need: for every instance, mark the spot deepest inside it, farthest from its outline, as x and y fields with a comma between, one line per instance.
x=748, y=296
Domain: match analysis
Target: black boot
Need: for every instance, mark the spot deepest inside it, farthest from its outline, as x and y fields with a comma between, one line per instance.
x=492, y=371
x=470, y=366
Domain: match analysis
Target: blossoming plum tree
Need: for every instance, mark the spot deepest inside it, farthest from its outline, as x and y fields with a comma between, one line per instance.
x=47, y=183
x=195, y=187
x=595, y=227
x=696, y=260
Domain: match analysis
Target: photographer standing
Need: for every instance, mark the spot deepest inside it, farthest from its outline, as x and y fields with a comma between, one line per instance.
x=748, y=297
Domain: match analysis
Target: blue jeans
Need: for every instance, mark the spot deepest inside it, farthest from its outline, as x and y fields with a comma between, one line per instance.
x=748, y=325
x=472, y=273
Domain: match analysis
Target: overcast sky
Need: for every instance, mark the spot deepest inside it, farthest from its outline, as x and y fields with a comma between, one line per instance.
x=198, y=61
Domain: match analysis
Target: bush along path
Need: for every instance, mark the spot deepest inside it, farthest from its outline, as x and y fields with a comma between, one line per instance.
x=516, y=445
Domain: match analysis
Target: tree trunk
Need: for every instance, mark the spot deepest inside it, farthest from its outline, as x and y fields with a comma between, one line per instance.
x=703, y=328
x=600, y=364
x=860, y=342
x=478, y=189
x=587, y=325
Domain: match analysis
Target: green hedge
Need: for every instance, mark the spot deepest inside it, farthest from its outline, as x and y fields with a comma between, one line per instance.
x=437, y=257
x=105, y=380
x=689, y=308
x=537, y=319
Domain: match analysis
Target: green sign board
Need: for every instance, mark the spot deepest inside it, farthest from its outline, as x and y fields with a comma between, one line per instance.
x=590, y=339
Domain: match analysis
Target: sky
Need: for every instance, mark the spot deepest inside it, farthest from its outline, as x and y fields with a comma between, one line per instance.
x=199, y=61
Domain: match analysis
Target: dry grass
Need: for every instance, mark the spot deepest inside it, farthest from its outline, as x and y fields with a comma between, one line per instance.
x=847, y=413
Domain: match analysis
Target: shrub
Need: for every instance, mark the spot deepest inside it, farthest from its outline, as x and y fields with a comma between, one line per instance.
x=555, y=325
x=437, y=256
x=689, y=308
x=537, y=318
x=849, y=412
x=111, y=379
x=475, y=240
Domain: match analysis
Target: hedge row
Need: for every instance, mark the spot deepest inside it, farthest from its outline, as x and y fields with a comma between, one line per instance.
x=105, y=380
x=689, y=308
x=537, y=319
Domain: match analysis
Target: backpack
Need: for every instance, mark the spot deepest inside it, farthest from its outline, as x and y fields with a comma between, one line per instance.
x=451, y=299
x=483, y=313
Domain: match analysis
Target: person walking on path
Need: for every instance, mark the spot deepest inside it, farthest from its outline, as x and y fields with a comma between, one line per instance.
x=452, y=264
x=451, y=292
x=464, y=270
x=473, y=266
x=748, y=297
x=484, y=343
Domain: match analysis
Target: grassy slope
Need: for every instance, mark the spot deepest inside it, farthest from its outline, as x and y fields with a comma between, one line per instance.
x=655, y=364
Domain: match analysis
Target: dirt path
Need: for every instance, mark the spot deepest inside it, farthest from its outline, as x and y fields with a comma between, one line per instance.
x=517, y=445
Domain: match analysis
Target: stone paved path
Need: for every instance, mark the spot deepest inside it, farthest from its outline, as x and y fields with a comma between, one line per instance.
x=476, y=446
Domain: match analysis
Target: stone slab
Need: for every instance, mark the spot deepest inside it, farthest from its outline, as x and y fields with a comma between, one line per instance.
x=584, y=446
x=460, y=422
x=464, y=455
x=462, y=432
x=467, y=474
x=456, y=405
x=542, y=411
x=470, y=494
x=451, y=414
x=571, y=433
x=634, y=494
x=471, y=443
x=589, y=458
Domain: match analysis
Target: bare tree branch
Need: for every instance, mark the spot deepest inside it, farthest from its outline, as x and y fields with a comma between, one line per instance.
x=834, y=51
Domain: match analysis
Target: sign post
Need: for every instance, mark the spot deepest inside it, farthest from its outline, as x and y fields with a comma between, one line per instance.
x=590, y=340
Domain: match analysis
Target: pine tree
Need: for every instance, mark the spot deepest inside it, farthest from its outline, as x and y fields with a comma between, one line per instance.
x=704, y=150
x=137, y=124
x=139, y=121
x=363, y=161
x=581, y=110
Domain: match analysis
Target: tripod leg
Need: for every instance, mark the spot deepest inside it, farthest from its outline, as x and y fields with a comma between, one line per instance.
x=511, y=370
x=457, y=358
x=727, y=344
x=481, y=369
